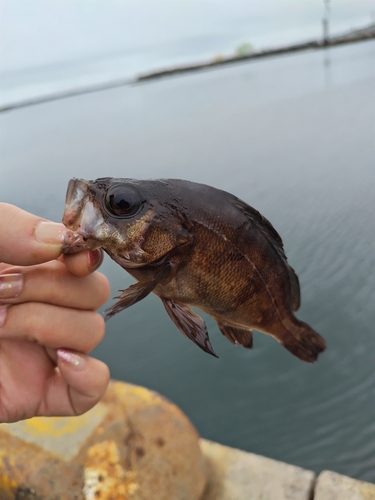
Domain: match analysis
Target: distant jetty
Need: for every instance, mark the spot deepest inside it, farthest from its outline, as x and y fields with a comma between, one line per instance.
x=358, y=35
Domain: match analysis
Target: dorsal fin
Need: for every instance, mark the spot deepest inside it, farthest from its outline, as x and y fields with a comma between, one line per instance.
x=264, y=224
x=273, y=237
x=296, y=293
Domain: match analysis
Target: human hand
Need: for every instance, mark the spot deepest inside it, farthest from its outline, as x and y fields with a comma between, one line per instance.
x=48, y=322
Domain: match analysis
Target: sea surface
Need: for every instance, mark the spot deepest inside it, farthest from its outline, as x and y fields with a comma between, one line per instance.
x=294, y=137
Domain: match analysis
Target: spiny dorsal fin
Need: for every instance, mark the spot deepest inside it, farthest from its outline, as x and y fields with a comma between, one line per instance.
x=275, y=240
x=264, y=224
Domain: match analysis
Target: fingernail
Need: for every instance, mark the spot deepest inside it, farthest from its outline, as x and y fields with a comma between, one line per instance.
x=50, y=232
x=10, y=285
x=71, y=358
x=3, y=314
x=95, y=258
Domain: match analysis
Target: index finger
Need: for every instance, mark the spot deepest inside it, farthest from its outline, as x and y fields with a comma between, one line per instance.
x=26, y=239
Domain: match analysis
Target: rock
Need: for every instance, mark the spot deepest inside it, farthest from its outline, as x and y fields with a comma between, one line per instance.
x=134, y=445
x=334, y=486
x=238, y=475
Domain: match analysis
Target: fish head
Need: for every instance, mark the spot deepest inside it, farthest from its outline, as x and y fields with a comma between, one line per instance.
x=132, y=220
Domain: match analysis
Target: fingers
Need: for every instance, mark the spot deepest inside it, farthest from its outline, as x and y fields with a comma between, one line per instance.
x=52, y=283
x=52, y=326
x=27, y=239
x=46, y=305
x=86, y=377
x=42, y=308
x=78, y=385
x=37, y=387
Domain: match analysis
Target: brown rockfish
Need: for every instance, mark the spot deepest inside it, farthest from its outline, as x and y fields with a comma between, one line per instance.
x=193, y=245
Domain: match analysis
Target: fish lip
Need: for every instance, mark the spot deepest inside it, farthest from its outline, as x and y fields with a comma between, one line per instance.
x=74, y=201
x=76, y=241
x=79, y=218
x=73, y=243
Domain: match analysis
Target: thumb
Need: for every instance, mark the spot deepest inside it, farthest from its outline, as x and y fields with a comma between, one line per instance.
x=26, y=239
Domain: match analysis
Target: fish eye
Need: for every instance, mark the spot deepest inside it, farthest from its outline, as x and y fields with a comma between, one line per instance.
x=123, y=201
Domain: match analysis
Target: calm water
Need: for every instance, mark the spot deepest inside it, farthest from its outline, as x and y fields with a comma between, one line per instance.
x=292, y=136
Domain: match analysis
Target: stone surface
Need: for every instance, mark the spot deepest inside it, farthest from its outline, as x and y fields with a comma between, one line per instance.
x=238, y=475
x=60, y=436
x=134, y=445
x=333, y=486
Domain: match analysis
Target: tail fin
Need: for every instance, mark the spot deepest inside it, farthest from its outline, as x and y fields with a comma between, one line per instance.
x=306, y=344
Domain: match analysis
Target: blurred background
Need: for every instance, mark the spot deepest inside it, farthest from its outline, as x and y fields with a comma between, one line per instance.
x=292, y=135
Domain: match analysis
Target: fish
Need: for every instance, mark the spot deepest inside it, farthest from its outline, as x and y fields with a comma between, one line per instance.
x=193, y=245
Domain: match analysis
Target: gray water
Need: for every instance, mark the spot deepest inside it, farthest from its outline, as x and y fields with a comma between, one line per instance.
x=292, y=136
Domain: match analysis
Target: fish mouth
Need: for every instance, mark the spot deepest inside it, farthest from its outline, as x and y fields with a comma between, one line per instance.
x=80, y=218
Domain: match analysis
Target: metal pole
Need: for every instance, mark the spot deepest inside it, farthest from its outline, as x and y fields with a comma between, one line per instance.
x=326, y=21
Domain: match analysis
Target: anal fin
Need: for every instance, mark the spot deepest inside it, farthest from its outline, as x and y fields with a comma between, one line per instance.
x=236, y=335
x=190, y=324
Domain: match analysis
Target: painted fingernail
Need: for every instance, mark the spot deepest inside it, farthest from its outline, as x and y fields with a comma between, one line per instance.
x=72, y=358
x=3, y=314
x=95, y=258
x=10, y=285
x=50, y=232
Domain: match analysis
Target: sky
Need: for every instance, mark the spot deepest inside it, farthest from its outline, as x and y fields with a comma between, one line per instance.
x=45, y=32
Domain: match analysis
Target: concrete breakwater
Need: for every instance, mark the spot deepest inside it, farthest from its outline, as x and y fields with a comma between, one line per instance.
x=367, y=33
x=137, y=445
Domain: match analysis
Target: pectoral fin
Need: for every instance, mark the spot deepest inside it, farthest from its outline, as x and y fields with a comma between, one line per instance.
x=190, y=324
x=237, y=335
x=137, y=292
